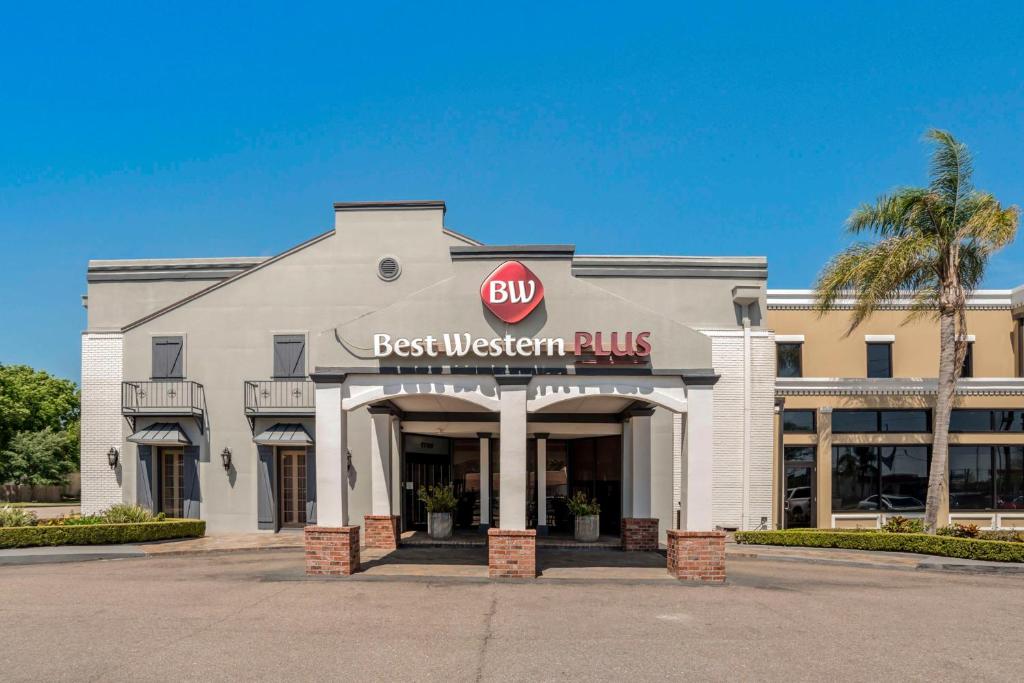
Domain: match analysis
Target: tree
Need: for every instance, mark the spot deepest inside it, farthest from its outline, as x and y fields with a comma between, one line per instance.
x=933, y=245
x=39, y=415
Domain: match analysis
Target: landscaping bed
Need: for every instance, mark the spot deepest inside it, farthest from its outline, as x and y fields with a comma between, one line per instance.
x=118, y=524
x=924, y=544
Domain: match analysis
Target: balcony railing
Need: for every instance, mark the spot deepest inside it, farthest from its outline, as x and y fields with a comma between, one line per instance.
x=163, y=397
x=279, y=397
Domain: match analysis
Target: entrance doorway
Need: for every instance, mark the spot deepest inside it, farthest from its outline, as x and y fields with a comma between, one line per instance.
x=172, y=482
x=800, y=490
x=292, y=496
x=426, y=462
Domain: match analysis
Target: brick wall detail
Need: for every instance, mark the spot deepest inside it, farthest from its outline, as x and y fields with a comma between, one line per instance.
x=102, y=424
x=697, y=555
x=512, y=554
x=332, y=551
x=639, y=533
x=381, y=531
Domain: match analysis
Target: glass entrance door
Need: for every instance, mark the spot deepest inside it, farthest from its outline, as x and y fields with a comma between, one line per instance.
x=172, y=481
x=292, y=498
x=799, y=487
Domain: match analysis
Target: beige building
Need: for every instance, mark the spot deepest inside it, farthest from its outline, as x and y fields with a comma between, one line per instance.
x=854, y=414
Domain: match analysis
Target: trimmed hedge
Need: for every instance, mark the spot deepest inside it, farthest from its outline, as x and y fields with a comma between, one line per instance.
x=99, y=534
x=946, y=546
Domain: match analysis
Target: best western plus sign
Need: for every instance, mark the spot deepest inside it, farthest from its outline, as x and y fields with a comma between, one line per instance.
x=511, y=292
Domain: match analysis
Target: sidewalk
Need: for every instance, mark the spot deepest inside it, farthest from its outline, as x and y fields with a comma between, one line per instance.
x=868, y=559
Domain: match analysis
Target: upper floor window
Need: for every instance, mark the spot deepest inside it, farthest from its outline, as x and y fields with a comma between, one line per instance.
x=867, y=421
x=978, y=421
x=879, y=359
x=798, y=421
x=289, y=356
x=168, y=360
x=789, y=359
x=968, y=367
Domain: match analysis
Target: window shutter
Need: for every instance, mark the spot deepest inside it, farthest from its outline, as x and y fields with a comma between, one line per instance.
x=144, y=478
x=311, y=484
x=266, y=489
x=192, y=496
x=167, y=358
x=289, y=355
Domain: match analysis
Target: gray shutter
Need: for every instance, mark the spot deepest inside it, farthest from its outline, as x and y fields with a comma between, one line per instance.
x=144, y=478
x=167, y=358
x=311, y=484
x=266, y=488
x=289, y=355
x=192, y=496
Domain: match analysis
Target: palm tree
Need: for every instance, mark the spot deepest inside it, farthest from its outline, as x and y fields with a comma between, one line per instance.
x=931, y=244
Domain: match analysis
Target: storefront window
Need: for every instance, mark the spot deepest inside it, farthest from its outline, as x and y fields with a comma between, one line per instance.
x=867, y=421
x=1009, y=466
x=970, y=477
x=798, y=421
x=980, y=421
x=890, y=478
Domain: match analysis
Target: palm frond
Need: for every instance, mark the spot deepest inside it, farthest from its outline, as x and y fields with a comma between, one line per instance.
x=951, y=168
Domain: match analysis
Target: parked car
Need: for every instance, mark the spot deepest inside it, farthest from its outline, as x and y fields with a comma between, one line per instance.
x=891, y=503
x=798, y=505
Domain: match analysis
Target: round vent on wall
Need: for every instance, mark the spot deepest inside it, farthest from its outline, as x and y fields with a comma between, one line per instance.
x=388, y=268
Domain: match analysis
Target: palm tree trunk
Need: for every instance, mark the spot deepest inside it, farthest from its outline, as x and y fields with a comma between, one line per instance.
x=943, y=407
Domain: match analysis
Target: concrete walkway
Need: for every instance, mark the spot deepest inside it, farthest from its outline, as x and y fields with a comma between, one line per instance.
x=866, y=558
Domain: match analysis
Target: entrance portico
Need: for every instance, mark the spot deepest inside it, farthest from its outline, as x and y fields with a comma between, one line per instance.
x=517, y=404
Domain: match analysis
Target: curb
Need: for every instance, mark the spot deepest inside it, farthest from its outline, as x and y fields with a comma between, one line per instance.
x=935, y=564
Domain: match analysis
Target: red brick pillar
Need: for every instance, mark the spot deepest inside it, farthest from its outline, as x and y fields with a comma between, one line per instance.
x=697, y=555
x=381, y=531
x=332, y=551
x=512, y=554
x=639, y=533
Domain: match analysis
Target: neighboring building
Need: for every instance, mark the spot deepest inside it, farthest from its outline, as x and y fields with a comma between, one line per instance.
x=323, y=385
x=854, y=420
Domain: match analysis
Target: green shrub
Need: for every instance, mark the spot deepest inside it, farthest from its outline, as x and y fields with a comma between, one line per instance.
x=959, y=531
x=439, y=498
x=98, y=534
x=12, y=516
x=123, y=513
x=1008, y=536
x=581, y=505
x=946, y=546
x=899, y=524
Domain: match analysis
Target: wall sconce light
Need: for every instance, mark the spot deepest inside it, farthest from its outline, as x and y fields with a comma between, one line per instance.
x=112, y=457
x=225, y=457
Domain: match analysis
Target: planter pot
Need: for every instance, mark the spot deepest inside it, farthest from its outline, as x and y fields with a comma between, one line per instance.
x=440, y=526
x=588, y=528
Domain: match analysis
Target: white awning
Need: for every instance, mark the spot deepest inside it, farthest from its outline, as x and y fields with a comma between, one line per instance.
x=161, y=434
x=284, y=434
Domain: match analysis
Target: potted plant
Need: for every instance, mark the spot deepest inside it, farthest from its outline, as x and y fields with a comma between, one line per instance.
x=587, y=513
x=441, y=503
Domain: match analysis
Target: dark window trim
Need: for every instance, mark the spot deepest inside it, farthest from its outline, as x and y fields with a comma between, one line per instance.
x=878, y=419
x=814, y=421
x=878, y=479
x=800, y=357
x=867, y=358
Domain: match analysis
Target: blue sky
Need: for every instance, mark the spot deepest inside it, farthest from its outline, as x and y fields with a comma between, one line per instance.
x=195, y=129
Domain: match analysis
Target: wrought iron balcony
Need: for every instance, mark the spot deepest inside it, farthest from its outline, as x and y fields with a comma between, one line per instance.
x=163, y=397
x=279, y=397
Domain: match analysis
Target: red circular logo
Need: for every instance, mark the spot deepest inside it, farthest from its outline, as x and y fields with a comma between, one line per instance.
x=511, y=291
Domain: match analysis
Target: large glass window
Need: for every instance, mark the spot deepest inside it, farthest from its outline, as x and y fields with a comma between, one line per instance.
x=978, y=421
x=798, y=421
x=864, y=421
x=789, y=359
x=879, y=359
x=890, y=478
x=1009, y=467
x=986, y=477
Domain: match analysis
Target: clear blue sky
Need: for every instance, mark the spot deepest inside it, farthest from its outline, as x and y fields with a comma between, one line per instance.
x=195, y=129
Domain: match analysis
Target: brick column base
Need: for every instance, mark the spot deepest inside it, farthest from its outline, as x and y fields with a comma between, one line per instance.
x=512, y=554
x=381, y=531
x=697, y=555
x=639, y=533
x=332, y=551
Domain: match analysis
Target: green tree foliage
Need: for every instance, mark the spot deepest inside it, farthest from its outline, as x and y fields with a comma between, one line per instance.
x=39, y=426
x=931, y=244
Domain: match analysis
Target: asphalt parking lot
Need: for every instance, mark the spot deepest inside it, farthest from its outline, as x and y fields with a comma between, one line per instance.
x=253, y=616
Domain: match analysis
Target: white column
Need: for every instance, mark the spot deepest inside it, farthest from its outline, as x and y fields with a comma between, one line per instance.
x=512, y=505
x=485, y=480
x=627, y=468
x=641, y=436
x=380, y=461
x=331, y=457
x=542, y=484
x=396, y=466
x=700, y=418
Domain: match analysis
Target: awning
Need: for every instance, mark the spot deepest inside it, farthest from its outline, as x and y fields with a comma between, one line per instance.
x=161, y=434
x=284, y=434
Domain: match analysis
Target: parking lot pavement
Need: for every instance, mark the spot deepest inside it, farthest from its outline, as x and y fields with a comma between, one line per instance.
x=253, y=616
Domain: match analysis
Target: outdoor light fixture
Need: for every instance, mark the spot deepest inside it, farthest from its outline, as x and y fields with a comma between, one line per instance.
x=112, y=457
x=225, y=457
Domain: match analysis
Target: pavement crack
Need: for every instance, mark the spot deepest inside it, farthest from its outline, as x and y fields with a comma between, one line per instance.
x=488, y=635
